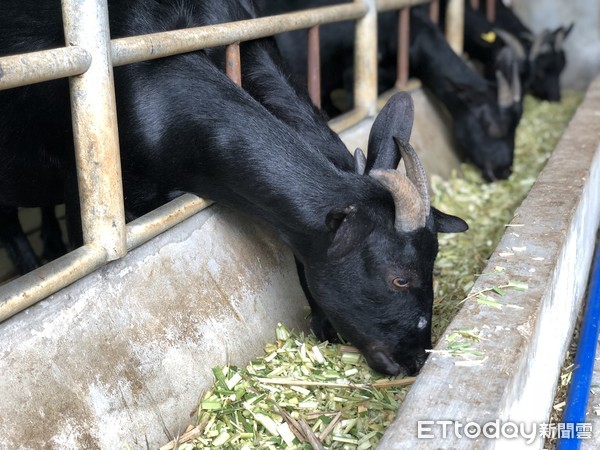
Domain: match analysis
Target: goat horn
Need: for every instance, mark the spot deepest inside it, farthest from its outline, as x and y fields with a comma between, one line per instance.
x=505, y=96
x=512, y=41
x=415, y=172
x=536, y=47
x=360, y=161
x=561, y=34
x=409, y=209
x=516, y=83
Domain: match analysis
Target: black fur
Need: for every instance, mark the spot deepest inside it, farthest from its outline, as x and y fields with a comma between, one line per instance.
x=546, y=68
x=263, y=150
x=484, y=131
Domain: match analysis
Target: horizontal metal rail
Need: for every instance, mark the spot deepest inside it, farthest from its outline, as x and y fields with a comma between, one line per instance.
x=34, y=67
x=25, y=291
x=161, y=219
x=390, y=5
x=158, y=45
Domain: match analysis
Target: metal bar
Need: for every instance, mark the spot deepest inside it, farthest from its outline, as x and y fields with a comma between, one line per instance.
x=158, y=45
x=474, y=4
x=434, y=11
x=403, y=46
x=314, y=66
x=365, y=59
x=348, y=119
x=161, y=219
x=35, y=67
x=455, y=20
x=392, y=5
x=490, y=11
x=29, y=289
x=233, y=64
x=25, y=291
x=94, y=116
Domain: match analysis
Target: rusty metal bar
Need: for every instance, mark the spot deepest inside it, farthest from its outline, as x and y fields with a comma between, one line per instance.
x=25, y=291
x=162, y=218
x=474, y=4
x=94, y=116
x=365, y=59
x=151, y=46
x=403, y=46
x=35, y=67
x=314, y=66
x=455, y=21
x=490, y=11
x=434, y=11
x=233, y=64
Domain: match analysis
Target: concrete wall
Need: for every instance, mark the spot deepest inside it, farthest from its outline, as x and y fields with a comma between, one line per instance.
x=583, y=44
x=122, y=355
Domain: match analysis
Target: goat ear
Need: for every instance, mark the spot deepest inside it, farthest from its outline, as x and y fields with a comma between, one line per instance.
x=394, y=120
x=350, y=229
x=447, y=223
x=560, y=34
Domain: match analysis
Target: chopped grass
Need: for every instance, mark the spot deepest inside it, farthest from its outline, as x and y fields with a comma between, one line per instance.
x=303, y=394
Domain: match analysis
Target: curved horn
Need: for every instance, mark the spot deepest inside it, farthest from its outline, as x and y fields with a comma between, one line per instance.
x=360, y=161
x=561, y=34
x=415, y=172
x=536, y=47
x=512, y=41
x=505, y=97
x=516, y=83
x=410, y=211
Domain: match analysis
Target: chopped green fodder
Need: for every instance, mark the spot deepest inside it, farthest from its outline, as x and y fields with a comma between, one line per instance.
x=304, y=394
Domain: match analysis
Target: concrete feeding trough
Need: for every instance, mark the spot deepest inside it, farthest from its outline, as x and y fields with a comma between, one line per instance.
x=524, y=343
x=121, y=356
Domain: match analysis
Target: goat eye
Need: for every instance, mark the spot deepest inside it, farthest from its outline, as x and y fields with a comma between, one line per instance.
x=400, y=283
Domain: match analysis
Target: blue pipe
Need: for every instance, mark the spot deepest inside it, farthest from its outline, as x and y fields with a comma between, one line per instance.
x=579, y=389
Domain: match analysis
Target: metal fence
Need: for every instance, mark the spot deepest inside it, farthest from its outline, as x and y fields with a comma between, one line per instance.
x=89, y=59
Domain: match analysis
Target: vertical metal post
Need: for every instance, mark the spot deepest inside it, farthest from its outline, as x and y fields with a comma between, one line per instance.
x=475, y=4
x=233, y=64
x=403, y=46
x=365, y=60
x=455, y=19
x=95, y=130
x=490, y=11
x=314, y=66
x=434, y=11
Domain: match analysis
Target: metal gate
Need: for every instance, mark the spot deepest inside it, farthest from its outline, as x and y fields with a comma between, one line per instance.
x=88, y=60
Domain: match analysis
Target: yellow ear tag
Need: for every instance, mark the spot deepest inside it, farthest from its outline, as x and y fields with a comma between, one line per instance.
x=489, y=37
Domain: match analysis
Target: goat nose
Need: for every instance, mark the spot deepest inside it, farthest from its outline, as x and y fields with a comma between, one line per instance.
x=489, y=174
x=502, y=173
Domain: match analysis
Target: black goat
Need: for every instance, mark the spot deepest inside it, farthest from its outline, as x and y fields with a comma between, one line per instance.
x=496, y=49
x=484, y=116
x=365, y=242
x=545, y=52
